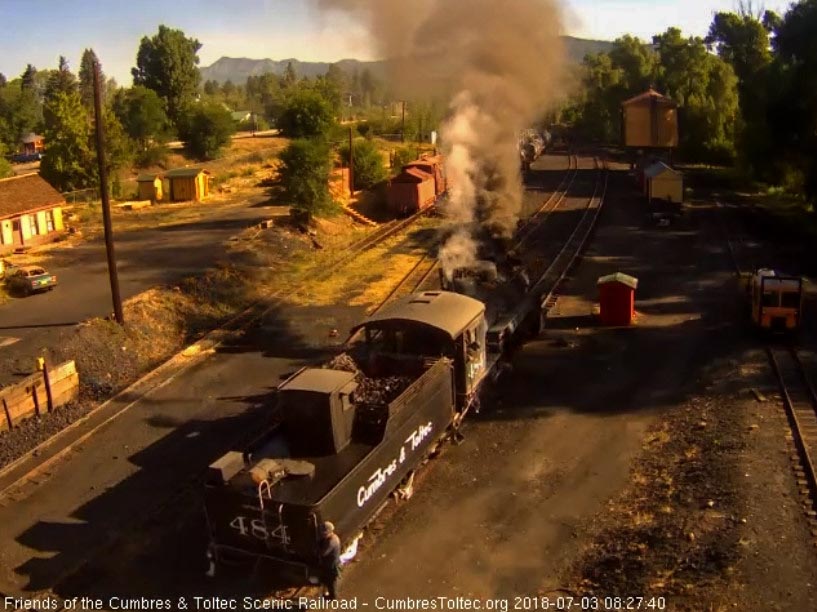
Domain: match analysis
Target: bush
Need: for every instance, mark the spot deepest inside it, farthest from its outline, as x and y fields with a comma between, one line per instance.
x=305, y=169
x=306, y=114
x=363, y=129
x=403, y=156
x=205, y=129
x=5, y=166
x=152, y=156
x=259, y=124
x=369, y=169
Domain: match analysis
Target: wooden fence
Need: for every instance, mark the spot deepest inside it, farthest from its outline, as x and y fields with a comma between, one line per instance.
x=39, y=393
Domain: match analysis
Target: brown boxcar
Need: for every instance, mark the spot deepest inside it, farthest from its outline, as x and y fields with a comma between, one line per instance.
x=433, y=165
x=411, y=191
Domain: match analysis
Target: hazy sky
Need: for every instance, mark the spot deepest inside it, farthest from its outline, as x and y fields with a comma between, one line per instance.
x=39, y=31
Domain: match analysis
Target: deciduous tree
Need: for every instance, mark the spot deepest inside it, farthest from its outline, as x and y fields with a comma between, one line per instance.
x=369, y=168
x=69, y=161
x=141, y=112
x=793, y=109
x=206, y=128
x=306, y=114
x=167, y=64
x=305, y=169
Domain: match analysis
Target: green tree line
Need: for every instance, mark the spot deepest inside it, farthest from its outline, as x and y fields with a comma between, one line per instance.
x=746, y=92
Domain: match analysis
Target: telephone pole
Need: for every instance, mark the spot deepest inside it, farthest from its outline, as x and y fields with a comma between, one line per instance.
x=351, y=164
x=403, y=124
x=106, y=203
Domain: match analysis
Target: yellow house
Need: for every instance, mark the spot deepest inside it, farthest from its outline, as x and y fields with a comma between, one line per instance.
x=30, y=211
x=663, y=183
x=150, y=187
x=649, y=120
x=188, y=184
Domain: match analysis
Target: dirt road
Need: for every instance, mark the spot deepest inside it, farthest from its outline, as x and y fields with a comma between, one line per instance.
x=146, y=258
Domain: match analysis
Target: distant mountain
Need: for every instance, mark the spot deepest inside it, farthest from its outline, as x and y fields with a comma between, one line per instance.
x=237, y=69
x=577, y=48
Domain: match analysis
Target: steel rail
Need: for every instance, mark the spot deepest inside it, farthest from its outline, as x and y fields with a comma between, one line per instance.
x=589, y=222
x=800, y=412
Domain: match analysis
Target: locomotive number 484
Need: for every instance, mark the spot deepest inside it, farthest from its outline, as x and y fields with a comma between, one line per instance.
x=259, y=530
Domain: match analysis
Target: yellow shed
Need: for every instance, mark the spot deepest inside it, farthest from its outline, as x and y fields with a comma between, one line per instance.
x=188, y=184
x=649, y=120
x=663, y=183
x=150, y=187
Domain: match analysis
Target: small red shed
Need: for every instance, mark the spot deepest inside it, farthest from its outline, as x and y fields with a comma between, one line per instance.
x=617, y=298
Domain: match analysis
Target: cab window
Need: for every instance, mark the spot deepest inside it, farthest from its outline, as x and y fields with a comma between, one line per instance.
x=790, y=299
x=770, y=298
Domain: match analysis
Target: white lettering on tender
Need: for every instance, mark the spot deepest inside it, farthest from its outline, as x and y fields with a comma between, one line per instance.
x=382, y=474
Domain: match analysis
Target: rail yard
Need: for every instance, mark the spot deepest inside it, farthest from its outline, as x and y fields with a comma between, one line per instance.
x=573, y=441
x=491, y=328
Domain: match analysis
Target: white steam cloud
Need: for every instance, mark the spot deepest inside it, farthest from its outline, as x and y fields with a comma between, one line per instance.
x=500, y=64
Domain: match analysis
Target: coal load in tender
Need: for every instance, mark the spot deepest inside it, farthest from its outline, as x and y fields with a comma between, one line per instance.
x=370, y=390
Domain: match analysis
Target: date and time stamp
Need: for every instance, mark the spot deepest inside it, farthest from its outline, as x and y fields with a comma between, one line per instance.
x=577, y=603
x=565, y=603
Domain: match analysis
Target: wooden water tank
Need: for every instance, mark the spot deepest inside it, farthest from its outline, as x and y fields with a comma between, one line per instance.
x=649, y=120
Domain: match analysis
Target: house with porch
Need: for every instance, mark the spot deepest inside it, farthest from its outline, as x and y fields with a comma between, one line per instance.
x=30, y=212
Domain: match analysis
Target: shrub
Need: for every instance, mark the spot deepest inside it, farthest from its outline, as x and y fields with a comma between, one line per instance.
x=152, y=156
x=369, y=169
x=306, y=114
x=259, y=124
x=403, y=156
x=206, y=128
x=305, y=169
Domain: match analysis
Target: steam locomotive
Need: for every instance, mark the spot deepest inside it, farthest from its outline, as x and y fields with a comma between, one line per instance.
x=531, y=145
x=352, y=431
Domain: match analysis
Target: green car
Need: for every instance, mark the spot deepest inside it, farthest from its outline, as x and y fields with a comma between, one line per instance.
x=30, y=279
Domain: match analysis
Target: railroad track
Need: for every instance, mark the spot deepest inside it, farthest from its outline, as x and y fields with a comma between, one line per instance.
x=800, y=403
x=426, y=266
x=411, y=282
x=254, y=312
x=536, y=220
x=550, y=282
x=799, y=399
x=387, y=230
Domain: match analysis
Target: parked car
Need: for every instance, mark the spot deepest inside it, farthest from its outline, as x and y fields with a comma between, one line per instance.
x=26, y=280
x=22, y=158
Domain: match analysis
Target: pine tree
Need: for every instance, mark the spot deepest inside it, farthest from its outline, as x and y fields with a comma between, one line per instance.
x=86, y=78
x=28, y=77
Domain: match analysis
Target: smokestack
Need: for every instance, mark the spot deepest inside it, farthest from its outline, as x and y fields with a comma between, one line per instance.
x=500, y=66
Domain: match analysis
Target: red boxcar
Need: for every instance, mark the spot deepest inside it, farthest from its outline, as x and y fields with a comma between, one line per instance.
x=411, y=191
x=433, y=165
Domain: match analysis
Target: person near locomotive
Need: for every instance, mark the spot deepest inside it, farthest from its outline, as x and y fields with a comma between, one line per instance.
x=329, y=546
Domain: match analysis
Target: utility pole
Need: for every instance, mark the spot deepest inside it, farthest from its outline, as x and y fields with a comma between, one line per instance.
x=403, y=124
x=106, y=203
x=351, y=164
